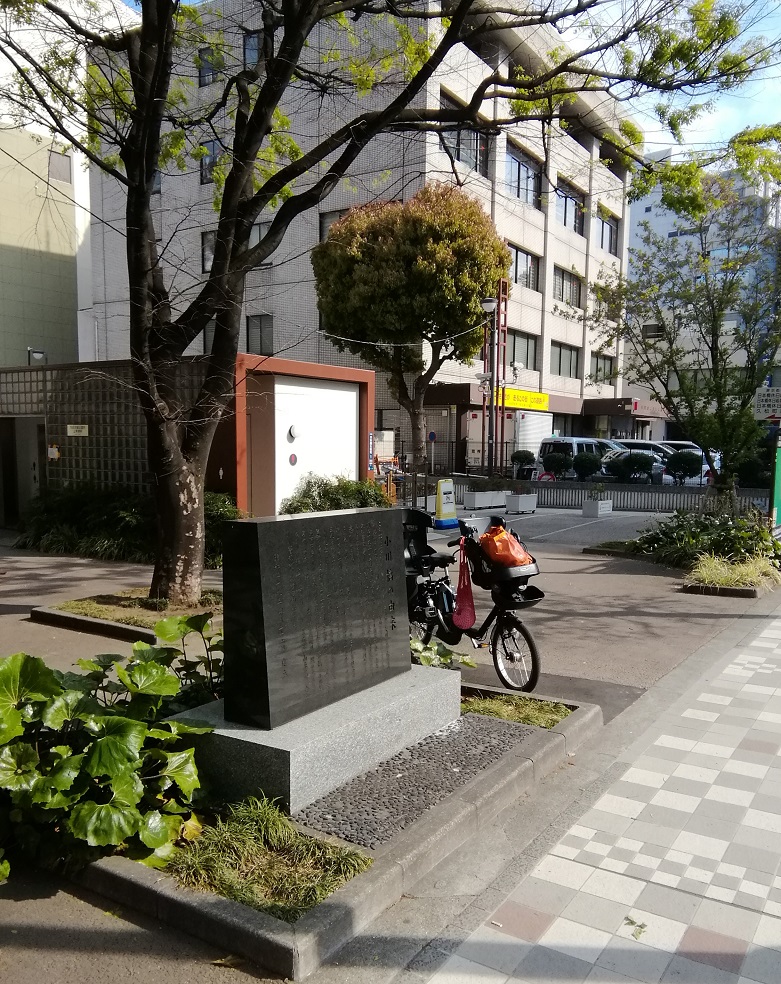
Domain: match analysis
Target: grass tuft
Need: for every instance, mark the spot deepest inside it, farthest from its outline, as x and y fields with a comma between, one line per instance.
x=523, y=710
x=756, y=572
x=254, y=855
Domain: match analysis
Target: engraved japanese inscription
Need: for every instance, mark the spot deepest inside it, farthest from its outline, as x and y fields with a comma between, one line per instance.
x=314, y=610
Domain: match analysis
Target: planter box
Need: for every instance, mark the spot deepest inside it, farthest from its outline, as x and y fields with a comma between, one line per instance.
x=522, y=503
x=596, y=508
x=485, y=500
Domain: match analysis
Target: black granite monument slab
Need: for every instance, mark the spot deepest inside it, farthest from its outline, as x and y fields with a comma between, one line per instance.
x=314, y=610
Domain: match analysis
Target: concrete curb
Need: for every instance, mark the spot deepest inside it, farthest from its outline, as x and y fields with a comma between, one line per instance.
x=725, y=592
x=94, y=626
x=613, y=552
x=296, y=950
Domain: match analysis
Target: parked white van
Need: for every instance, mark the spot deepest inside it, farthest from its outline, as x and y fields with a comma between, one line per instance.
x=575, y=445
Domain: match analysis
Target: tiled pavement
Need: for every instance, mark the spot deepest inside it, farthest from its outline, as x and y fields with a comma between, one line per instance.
x=675, y=873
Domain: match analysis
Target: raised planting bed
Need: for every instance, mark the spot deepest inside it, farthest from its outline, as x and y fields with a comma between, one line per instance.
x=409, y=813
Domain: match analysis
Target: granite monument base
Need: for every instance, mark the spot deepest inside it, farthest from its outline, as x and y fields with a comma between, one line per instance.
x=304, y=759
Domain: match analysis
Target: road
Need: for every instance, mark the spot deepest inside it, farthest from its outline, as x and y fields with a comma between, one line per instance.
x=609, y=627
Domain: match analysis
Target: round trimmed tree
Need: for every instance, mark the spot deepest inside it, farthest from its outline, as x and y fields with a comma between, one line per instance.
x=400, y=284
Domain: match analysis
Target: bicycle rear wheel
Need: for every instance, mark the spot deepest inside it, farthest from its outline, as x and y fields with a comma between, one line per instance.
x=516, y=659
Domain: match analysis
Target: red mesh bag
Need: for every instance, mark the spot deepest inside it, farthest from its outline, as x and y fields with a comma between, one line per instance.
x=464, y=615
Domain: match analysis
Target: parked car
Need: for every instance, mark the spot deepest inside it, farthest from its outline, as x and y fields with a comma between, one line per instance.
x=571, y=446
x=657, y=466
x=662, y=449
x=683, y=446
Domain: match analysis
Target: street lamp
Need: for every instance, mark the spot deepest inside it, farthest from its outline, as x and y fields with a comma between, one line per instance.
x=36, y=354
x=488, y=304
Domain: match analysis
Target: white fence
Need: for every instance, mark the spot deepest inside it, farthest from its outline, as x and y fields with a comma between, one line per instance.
x=630, y=498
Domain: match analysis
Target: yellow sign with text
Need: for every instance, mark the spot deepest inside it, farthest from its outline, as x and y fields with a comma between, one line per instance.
x=518, y=399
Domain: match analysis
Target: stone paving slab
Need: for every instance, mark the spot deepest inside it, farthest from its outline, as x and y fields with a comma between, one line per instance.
x=675, y=873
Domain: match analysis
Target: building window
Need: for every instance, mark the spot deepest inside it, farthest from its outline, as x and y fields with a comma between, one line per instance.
x=252, y=48
x=522, y=350
x=522, y=177
x=648, y=208
x=208, y=337
x=60, y=166
x=209, y=65
x=602, y=367
x=607, y=233
x=208, y=239
x=653, y=331
x=208, y=161
x=327, y=219
x=260, y=334
x=570, y=207
x=524, y=268
x=564, y=360
x=567, y=287
x=258, y=232
x=467, y=145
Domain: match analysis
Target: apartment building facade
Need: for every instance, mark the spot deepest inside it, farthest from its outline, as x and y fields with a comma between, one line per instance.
x=555, y=194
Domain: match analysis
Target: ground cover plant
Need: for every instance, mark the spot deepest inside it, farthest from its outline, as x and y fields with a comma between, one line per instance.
x=680, y=540
x=111, y=524
x=756, y=572
x=253, y=854
x=135, y=607
x=87, y=764
x=522, y=710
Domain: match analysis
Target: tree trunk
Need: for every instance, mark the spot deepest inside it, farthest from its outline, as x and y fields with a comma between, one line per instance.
x=417, y=420
x=181, y=531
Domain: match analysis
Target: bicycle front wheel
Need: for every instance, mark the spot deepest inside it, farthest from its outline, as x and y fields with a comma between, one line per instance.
x=516, y=659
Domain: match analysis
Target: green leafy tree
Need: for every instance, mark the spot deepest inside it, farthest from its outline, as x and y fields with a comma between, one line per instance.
x=701, y=317
x=393, y=275
x=374, y=61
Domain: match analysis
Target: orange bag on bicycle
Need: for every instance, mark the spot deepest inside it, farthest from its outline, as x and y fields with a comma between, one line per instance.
x=464, y=615
x=501, y=548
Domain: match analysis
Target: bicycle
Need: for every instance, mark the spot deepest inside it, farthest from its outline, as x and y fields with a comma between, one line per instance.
x=431, y=601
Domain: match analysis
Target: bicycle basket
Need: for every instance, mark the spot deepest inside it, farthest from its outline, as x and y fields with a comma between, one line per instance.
x=516, y=595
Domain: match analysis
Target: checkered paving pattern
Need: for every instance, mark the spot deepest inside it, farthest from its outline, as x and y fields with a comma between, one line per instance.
x=675, y=873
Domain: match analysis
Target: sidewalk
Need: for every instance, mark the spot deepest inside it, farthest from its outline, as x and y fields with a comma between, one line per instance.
x=674, y=873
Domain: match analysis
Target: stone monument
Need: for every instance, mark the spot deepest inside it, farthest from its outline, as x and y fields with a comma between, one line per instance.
x=314, y=611
x=318, y=682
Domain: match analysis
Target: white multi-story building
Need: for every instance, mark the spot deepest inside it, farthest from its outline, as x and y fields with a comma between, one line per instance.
x=560, y=203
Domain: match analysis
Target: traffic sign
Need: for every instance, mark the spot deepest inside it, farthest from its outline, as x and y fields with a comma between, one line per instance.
x=767, y=403
x=432, y=436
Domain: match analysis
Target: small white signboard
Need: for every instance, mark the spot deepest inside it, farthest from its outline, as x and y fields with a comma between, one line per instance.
x=78, y=430
x=767, y=403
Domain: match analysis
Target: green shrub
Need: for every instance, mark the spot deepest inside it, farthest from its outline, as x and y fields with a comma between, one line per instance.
x=630, y=467
x=557, y=463
x=586, y=464
x=684, y=464
x=523, y=458
x=111, y=524
x=87, y=763
x=680, y=540
x=315, y=493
